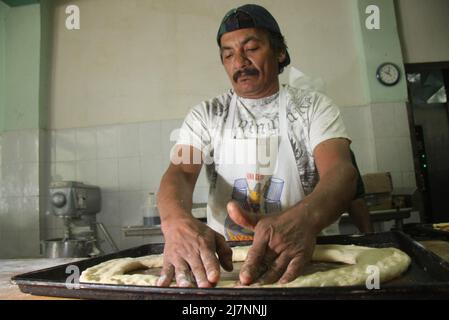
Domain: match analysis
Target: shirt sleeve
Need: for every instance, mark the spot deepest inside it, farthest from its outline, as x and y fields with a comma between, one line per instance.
x=325, y=121
x=195, y=130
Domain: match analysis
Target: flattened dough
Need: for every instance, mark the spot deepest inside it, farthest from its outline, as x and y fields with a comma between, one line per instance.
x=391, y=262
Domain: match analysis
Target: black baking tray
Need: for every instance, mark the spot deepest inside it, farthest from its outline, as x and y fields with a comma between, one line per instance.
x=425, y=231
x=426, y=278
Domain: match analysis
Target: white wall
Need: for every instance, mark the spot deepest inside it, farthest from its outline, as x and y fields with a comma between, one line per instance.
x=130, y=75
x=19, y=194
x=381, y=140
x=126, y=161
x=424, y=29
x=141, y=60
x=123, y=82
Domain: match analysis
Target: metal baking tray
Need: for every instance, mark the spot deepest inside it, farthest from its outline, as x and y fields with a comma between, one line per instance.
x=425, y=232
x=426, y=278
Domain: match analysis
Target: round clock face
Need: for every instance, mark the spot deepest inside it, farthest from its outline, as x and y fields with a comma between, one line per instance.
x=388, y=74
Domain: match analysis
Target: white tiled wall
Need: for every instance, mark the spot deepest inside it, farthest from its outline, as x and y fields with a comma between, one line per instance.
x=392, y=142
x=127, y=161
x=359, y=127
x=19, y=194
x=381, y=140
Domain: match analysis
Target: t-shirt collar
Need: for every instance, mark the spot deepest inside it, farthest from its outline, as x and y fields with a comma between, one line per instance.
x=258, y=102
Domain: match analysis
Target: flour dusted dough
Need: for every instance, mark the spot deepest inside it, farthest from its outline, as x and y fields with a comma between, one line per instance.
x=391, y=262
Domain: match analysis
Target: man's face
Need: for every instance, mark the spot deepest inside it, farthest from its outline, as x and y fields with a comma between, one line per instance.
x=250, y=62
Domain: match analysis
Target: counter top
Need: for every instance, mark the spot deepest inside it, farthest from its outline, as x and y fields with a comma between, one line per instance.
x=13, y=267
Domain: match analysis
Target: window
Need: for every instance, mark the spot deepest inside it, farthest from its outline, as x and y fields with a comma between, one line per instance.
x=427, y=87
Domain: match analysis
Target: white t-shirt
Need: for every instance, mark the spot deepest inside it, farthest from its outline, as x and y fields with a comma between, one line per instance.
x=312, y=119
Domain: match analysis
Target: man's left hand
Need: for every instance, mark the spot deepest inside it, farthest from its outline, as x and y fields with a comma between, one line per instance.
x=283, y=243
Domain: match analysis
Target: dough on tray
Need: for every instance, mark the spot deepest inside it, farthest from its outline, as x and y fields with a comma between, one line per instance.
x=391, y=263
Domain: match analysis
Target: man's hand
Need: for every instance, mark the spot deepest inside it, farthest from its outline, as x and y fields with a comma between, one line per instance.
x=189, y=254
x=283, y=244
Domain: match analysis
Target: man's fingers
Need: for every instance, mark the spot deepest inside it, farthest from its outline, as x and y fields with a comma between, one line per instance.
x=243, y=218
x=199, y=272
x=275, y=270
x=183, y=275
x=211, y=265
x=166, y=277
x=293, y=270
x=224, y=252
x=250, y=270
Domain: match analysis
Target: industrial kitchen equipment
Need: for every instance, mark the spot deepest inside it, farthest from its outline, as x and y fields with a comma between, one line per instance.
x=77, y=204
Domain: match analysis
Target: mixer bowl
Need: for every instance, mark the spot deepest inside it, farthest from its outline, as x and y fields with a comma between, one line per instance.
x=60, y=248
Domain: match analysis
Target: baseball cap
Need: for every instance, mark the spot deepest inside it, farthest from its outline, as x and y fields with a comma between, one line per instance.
x=249, y=16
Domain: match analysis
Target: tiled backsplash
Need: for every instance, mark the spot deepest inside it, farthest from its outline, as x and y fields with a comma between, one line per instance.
x=381, y=140
x=127, y=161
x=392, y=143
x=19, y=193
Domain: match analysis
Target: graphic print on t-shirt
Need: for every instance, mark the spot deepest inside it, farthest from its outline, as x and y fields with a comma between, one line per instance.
x=258, y=194
x=311, y=119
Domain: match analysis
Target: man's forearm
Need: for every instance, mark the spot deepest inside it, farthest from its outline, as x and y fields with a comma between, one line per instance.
x=331, y=197
x=175, y=196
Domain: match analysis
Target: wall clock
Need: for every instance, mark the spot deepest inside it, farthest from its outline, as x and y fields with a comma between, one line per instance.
x=388, y=74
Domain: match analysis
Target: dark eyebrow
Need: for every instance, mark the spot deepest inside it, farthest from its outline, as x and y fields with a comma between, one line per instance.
x=245, y=41
x=250, y=38
x=225, y=48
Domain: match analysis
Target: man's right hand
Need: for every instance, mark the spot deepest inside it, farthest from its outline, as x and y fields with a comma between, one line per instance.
x=189, y=254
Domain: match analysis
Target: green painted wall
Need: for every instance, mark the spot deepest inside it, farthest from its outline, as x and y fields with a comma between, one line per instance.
x=46, y=19
x=360, y=51
x=21, y=65
x=377, y=47
x=25, y=55
x=16, y=3
x=3, y=13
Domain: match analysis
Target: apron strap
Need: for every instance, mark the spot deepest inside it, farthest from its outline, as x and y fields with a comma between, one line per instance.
x=229, y=125
x=283, y=113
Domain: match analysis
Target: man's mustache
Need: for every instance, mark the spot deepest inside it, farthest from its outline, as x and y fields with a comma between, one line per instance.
x=245, y=72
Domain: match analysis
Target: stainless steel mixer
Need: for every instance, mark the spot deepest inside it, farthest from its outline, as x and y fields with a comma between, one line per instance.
x=77, y=204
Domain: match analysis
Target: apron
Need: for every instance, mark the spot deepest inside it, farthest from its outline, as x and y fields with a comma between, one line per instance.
x=259, y=173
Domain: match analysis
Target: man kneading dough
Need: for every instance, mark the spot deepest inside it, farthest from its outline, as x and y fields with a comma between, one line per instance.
x=277, y=160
